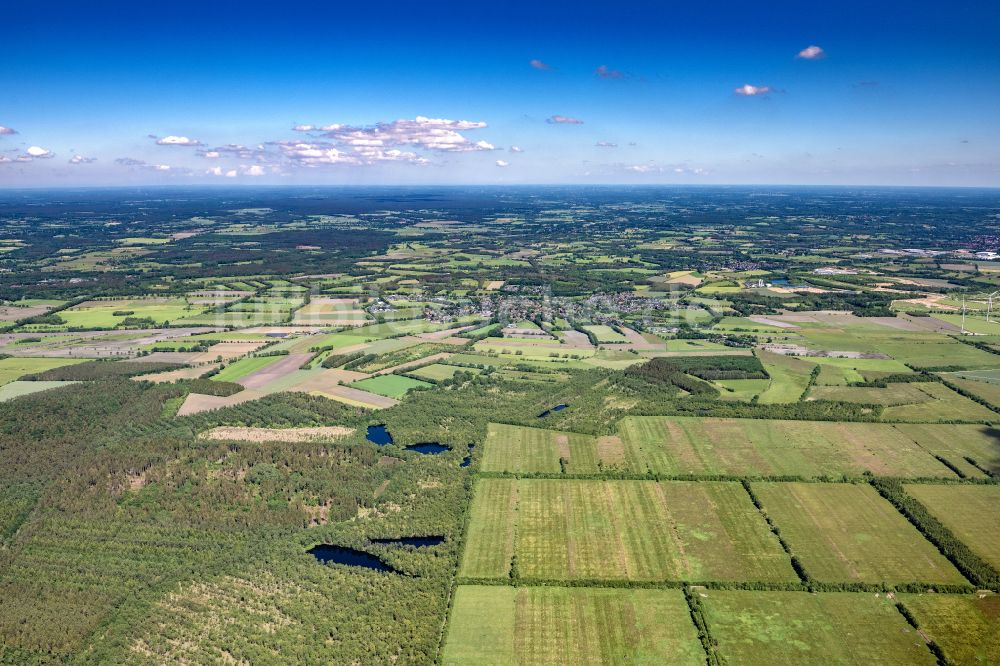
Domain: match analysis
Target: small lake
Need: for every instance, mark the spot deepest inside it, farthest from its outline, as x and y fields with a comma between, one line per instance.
x=379, y=434
x=353, y=558
x=429, y=448
x=417, y=542
x=557, y=408
x=467, y=460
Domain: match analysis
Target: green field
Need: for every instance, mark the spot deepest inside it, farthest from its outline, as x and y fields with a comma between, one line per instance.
x=972, y=513
x=704, y=446
x=966, y=627
x=550, y=625
x=988, y=391
x=100, y=314
x=789, y=377
x=16, y=367
x=510, y=448
x=941, y=404
x=769, y=628
x=621, y=530
x=244, y=367
x=847, y=532
x=957, y=443
x=439, y=372
x=17, y=389
x=605, y=334
x=391, y=386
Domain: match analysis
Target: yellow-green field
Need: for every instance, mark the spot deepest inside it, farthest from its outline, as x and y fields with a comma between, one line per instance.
x=846, y=532
x=704, y=446
x=770, y=628
x=620, y=530
x=570, y=625
x=972, y=513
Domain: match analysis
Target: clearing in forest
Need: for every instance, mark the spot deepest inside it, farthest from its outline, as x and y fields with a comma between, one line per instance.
x=314, y=434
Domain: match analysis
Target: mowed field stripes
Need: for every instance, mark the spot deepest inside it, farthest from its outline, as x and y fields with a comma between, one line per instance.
x=706, y=446
x=620, y=530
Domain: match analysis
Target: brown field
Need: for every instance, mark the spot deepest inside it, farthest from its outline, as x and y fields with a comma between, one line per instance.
x=196, y=402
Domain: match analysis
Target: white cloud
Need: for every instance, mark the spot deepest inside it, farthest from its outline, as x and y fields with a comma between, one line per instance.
x=436, y=134
x=563, y=120
x=255, y=170
x=80, y=159
x=606, y=144
x=503, y=163
x=516, y=149
x=812, y=52
x=39, y=153
x=643, y=168
x=538, y=64
x=177, y=141
x=303, y=128
x=748, y=90
x=6, y=130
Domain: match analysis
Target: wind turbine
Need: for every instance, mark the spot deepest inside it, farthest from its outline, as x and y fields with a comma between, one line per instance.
x=989, y=305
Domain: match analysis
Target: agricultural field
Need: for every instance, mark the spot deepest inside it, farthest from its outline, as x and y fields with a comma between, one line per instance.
x=625, y=530
x=439, y=372
x=14, y=368
x=965, y=627
x=796, y=628
x=518, y=449
x=545, y=625
x=971, y=513
x=846, y=532
x=748, y=447
x=380, y=469
x=391, y=386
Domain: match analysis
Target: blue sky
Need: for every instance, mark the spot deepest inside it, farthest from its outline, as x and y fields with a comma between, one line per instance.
x=117, y=93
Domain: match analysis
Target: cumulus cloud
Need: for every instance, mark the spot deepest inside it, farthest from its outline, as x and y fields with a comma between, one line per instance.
x=516, y=149
x=606, y=144
x=643, y=168
x=538, y=64
x=80, y=159
x=6, y=130
x=503, y=163
x=39, y=153
x=604, y=72
x=232, y=150
x=254, y=170
x=811, y=52
x=304, y=128
x=563, y=120
x=177, y=141
x=747, y=90
x=436, y=134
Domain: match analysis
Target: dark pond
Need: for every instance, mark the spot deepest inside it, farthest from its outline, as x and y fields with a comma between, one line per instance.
x=378, y=434
x=429, y=448
x=354, y=558
x=467, y=460
x=418, y=542
x=557, y=408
